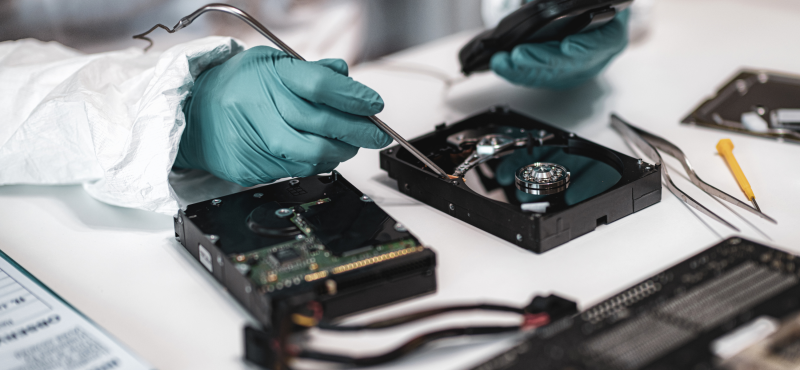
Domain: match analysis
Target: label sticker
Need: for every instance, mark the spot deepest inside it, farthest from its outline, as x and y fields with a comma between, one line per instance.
x=205, y=258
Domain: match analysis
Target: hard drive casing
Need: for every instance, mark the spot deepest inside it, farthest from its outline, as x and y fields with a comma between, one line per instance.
x=638, y=188
x=213, y=230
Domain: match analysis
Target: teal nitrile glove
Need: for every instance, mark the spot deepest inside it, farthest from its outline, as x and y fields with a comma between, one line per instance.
x=565, y=64
x=263, y=115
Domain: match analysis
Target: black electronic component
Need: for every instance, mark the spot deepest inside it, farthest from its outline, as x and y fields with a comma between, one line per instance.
x=603, y=185
x=286, y=255
x=670, y=320
x=535, y=22
x=758, y=103
x=316, y=240
x=554, y=306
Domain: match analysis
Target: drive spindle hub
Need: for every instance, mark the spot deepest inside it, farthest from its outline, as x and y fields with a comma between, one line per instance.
x=542, y=178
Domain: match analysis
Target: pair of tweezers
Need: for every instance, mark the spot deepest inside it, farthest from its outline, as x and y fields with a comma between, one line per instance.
x=651, y=144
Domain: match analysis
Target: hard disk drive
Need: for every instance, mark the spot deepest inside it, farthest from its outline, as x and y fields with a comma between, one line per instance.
x=316, y=240
x=525, y=181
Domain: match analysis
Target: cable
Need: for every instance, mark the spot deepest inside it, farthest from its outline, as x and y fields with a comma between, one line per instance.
x=406, y=348
x=535, y=315
x=421, y=70
x=529, y=321
x=323, y=325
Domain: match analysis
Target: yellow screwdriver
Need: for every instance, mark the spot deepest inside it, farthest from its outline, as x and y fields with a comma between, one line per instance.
x=725, y=149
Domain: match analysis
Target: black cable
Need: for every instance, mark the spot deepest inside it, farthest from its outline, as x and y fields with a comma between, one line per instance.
x=406, y=348
x=417, y=316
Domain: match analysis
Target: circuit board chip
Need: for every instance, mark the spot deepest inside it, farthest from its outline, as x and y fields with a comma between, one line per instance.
x=286, y=255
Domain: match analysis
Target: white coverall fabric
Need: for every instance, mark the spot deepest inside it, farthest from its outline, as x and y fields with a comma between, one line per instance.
x=111, y=121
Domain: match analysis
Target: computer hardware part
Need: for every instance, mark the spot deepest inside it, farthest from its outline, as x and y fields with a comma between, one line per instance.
x=758, y=103
x=573, y=185
x=538, y=21
x=279, y=247
x=538, y=313
x=675, y=319
x=768, y=344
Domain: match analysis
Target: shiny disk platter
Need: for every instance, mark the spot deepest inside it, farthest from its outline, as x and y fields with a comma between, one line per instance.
x=540, y=178
x=525, y=181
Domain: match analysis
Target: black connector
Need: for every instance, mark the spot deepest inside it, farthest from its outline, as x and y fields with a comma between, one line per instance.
x=553, y=305
x=258, y=347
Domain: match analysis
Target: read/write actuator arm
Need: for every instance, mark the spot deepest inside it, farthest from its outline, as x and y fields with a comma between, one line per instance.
x=493, y=146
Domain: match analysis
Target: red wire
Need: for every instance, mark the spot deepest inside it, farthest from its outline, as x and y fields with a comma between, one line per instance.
x=316, y=307
x=535, y=320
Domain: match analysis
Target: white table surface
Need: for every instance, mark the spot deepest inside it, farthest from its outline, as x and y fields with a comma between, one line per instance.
x=124, y=269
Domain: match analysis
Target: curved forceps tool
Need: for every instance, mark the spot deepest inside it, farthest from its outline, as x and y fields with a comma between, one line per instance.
x=650, y=144
x=187, y=20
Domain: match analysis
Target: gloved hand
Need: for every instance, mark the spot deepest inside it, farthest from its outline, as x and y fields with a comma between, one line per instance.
x=263, y=115
x=564, y=64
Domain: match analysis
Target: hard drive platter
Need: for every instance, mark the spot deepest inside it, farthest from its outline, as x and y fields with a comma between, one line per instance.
x=496, y=179
x=522, y=180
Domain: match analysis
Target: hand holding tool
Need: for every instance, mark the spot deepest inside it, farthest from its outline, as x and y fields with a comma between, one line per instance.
x=252, y=22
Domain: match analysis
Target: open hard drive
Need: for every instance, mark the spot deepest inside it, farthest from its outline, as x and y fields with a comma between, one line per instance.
x=283, y=246
x=758, y=103
x=522, y=180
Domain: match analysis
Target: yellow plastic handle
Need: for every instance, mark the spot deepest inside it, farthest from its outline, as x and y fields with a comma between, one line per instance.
x=725, y=149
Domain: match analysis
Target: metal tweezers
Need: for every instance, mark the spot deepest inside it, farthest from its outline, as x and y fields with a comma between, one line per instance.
x=252, y=22
x=650, y=145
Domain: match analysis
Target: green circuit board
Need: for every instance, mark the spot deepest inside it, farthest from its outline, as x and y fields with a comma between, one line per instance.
x=306, y=259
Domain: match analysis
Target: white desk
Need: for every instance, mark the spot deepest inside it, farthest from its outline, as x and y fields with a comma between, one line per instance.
x=124, y=269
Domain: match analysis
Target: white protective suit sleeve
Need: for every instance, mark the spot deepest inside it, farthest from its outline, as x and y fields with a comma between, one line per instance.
x=111, y=121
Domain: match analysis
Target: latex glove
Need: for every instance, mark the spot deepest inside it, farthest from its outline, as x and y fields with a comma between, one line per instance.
x=564, y=64
x=263, y=115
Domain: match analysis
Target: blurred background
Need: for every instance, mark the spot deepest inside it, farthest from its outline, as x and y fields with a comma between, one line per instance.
x=355, y=30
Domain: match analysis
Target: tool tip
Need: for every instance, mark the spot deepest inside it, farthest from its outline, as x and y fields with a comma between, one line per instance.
x=755, y=204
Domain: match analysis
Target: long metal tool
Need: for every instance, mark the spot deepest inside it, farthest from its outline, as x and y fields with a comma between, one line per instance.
x=634, y=135
x=225, y=8
x=675, y=152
